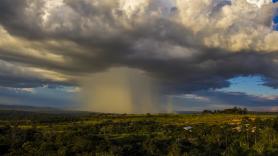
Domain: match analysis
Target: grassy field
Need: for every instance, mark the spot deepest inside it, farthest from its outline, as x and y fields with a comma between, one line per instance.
x=164, y=119
x=163, y=134
x=176, y=119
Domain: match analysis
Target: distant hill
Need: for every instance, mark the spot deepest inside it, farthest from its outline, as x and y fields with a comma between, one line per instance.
x=19, y=113
x=31, y=108
x=188, y=112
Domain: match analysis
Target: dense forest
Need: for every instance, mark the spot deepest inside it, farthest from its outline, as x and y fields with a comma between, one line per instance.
x=35, y=134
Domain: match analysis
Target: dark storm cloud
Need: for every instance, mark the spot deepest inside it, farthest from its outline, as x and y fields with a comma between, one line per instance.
x=9, y=96
x=211, y=71
x=271, y=82
x=237, y=98
x=102, y=35
x=17, y=20
x=19, y=76
x=212, y=100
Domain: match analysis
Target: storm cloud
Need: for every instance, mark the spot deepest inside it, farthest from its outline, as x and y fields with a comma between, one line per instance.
x=186, y=45
x=213, y=100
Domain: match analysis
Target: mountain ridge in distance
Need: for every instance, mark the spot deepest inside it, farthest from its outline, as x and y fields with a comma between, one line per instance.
x=27, y=108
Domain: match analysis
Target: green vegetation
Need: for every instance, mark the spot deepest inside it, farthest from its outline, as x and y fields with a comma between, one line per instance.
x=24, y=133
x=234, y=110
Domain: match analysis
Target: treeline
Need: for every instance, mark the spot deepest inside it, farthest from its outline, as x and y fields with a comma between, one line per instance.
x=235, y=110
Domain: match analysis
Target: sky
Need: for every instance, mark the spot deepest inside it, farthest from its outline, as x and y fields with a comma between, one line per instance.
x=205, y=54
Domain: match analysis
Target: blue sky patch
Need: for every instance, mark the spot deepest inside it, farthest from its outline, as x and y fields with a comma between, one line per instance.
x=275, y=20
x=252, y=85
